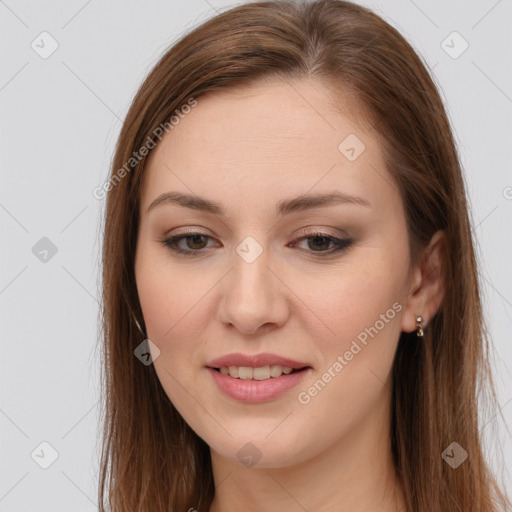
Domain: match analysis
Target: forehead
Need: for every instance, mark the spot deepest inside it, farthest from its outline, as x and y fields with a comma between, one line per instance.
x=274, y=114
x=272, y=139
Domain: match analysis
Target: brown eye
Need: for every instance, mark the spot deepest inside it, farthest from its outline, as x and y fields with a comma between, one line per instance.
x=324, y=243
x=194, y=243
x=319, y=242
x=195, y=240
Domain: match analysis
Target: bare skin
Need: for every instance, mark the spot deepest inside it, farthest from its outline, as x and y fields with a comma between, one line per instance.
x=248, y=150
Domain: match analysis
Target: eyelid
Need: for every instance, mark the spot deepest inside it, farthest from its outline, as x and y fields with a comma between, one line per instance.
x=191, y=231
x=313, y=230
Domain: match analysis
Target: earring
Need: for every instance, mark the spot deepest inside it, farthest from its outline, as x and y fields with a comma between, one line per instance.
x=419, y=329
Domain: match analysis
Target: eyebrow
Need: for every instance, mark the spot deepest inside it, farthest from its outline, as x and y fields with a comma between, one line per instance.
x=284, y=207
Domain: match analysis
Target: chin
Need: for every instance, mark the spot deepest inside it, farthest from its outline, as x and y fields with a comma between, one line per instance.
x=262, y=451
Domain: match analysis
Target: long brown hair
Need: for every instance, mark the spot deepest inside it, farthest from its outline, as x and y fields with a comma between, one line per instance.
x=151, y=459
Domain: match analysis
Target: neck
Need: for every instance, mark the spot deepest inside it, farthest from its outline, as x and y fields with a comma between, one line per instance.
x=356, y=474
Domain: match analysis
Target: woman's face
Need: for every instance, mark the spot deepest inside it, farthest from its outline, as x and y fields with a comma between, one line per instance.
x=273, y=272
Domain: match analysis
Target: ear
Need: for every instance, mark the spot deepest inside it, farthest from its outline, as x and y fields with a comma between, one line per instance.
x=427, y=287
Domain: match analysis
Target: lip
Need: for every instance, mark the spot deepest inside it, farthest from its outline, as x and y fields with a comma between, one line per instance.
x=255, y=361
x=256, y=391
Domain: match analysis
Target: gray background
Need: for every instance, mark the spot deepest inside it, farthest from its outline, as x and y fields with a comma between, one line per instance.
x=60, y=117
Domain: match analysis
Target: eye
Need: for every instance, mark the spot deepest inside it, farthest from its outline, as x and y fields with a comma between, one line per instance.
x=196, y=243
x=320, y=243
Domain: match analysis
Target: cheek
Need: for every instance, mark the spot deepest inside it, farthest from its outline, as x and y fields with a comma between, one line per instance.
x=363, y=306
x=176, y=311
x=173, y=324
x=169, y=297
x=355, y=298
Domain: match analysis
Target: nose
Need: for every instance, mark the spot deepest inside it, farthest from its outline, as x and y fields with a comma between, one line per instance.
x=254, y=297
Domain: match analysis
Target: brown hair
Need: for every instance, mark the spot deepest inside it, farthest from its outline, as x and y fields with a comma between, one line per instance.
x=151, y=459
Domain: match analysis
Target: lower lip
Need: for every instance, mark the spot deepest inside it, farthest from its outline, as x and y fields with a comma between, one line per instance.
x=255, y=391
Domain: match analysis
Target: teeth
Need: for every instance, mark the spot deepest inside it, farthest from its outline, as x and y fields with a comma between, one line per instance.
x=244, y=372
x=276, y=370
x=260, y=373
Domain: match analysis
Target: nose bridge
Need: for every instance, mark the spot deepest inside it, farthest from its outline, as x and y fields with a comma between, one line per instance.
x=251, y=295
x=251, y=277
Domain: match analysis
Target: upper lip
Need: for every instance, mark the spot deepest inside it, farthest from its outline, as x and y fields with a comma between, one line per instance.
x=255, y=361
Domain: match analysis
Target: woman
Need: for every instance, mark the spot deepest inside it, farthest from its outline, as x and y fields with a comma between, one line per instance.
x=292, y=318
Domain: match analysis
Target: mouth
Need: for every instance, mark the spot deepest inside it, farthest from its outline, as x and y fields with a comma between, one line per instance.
x=256, y=366
x=257, y=384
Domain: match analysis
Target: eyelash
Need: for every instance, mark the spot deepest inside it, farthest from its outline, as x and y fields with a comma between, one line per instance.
x=172, y=243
